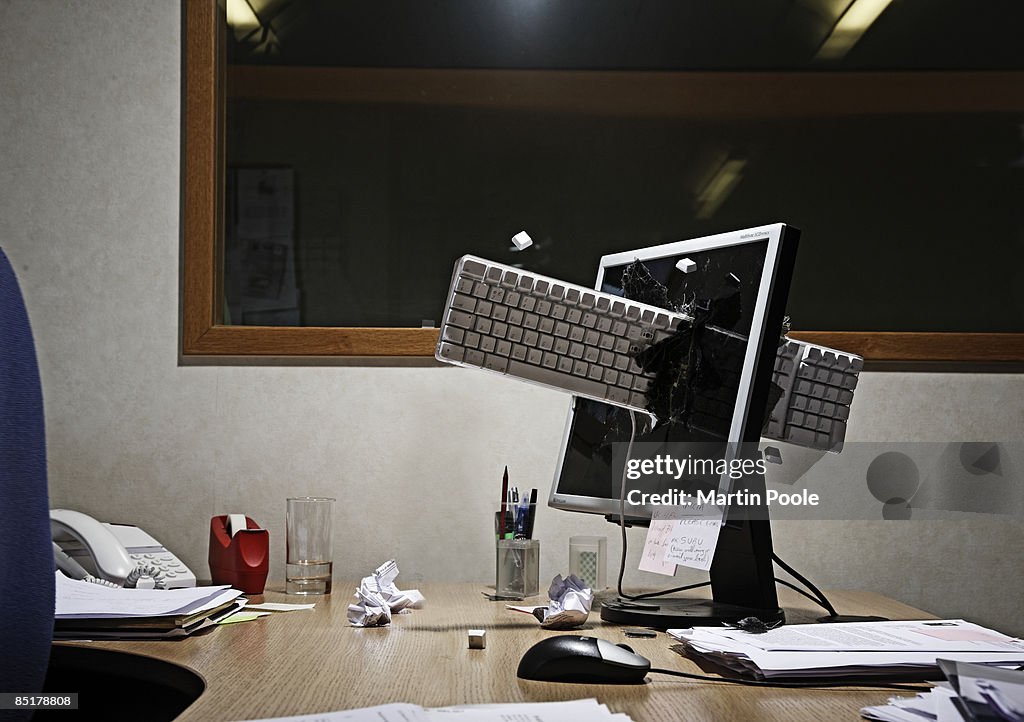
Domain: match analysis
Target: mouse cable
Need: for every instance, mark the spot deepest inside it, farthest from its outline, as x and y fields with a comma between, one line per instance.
x=805, y=685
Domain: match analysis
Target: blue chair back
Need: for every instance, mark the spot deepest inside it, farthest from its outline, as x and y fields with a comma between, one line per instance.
x=26, y=553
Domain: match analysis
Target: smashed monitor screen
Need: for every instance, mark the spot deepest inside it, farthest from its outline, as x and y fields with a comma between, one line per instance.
x=701, y=395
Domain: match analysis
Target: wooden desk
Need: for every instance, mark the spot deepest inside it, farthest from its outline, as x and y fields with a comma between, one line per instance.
x=314, y=661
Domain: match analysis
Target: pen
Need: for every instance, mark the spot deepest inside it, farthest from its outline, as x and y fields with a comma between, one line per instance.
x=522, y=511
x=531, y=513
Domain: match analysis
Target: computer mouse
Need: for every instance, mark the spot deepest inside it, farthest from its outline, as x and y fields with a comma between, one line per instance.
x=585, y=660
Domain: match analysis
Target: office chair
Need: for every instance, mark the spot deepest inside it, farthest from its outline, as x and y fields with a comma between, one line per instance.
x=26, y=553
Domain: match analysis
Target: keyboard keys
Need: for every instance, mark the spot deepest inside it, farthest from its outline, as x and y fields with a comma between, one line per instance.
x=451, y=352
x=460, y=319
x=495, y=363
x=513, y=322
x=453, y=334
x=817, y=386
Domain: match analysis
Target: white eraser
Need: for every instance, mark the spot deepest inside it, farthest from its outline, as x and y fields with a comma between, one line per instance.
x=521, y=240
x=477, y=639
x=686, y=265
x=236, y=523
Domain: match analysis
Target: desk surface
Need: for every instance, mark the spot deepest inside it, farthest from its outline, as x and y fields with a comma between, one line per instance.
x=314, y=661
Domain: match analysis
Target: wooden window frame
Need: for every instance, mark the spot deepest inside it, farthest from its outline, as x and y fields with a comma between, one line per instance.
x=203, y=335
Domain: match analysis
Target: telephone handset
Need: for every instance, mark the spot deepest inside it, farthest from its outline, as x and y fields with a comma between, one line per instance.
x=123, y=555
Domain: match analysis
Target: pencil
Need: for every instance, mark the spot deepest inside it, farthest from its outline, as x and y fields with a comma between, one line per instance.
x=504, y=501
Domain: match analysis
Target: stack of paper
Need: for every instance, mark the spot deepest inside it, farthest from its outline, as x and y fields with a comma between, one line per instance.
x=973, y=692
x=92, y=611
x=866, y=649
x=583, y=709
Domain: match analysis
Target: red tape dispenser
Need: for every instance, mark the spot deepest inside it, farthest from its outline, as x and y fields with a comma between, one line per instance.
x=239, y=553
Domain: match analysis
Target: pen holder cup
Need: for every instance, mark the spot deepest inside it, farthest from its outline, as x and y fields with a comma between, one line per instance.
x=240, y=559
x=517, y=567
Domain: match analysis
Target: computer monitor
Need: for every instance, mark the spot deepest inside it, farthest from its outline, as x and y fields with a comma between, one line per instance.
x=742, y=278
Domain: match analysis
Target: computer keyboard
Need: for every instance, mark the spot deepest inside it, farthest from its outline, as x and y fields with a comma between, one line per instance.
x=818, y=385
x=550, y=332
x=576, y=339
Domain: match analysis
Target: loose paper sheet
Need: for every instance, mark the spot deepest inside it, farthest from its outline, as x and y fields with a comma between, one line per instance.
x=571, y=711
x=280, y=607
x=658, y=536
x=694, y=538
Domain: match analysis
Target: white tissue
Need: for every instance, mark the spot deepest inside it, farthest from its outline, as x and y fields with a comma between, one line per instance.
x=570, y=604
x=378, y=597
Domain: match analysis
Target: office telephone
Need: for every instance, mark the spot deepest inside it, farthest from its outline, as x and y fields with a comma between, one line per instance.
x=118, y=554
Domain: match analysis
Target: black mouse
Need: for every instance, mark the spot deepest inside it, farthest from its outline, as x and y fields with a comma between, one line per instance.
x=586, y=660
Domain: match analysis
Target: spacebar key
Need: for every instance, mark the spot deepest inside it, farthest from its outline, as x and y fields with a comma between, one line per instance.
x=559, y=380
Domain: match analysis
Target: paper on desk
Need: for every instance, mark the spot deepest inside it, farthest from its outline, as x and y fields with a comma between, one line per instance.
x=571, y=711
x=582, y=709
x=658, y=536
x=694, y=537
x=377, y=597
x=77, y=598
x=280, y=607
x=999, y=693
x=242, y=617
x=932, y=635
x=936, y=704
x=383, y=713
x=570, y=603
x=370, y=609
x=398, y=600
x=744, y=657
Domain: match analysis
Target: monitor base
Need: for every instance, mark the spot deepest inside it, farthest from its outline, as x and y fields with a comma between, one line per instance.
x=675, y=613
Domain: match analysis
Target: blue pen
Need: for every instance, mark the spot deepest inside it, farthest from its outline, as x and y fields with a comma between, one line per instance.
x=522, y=511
